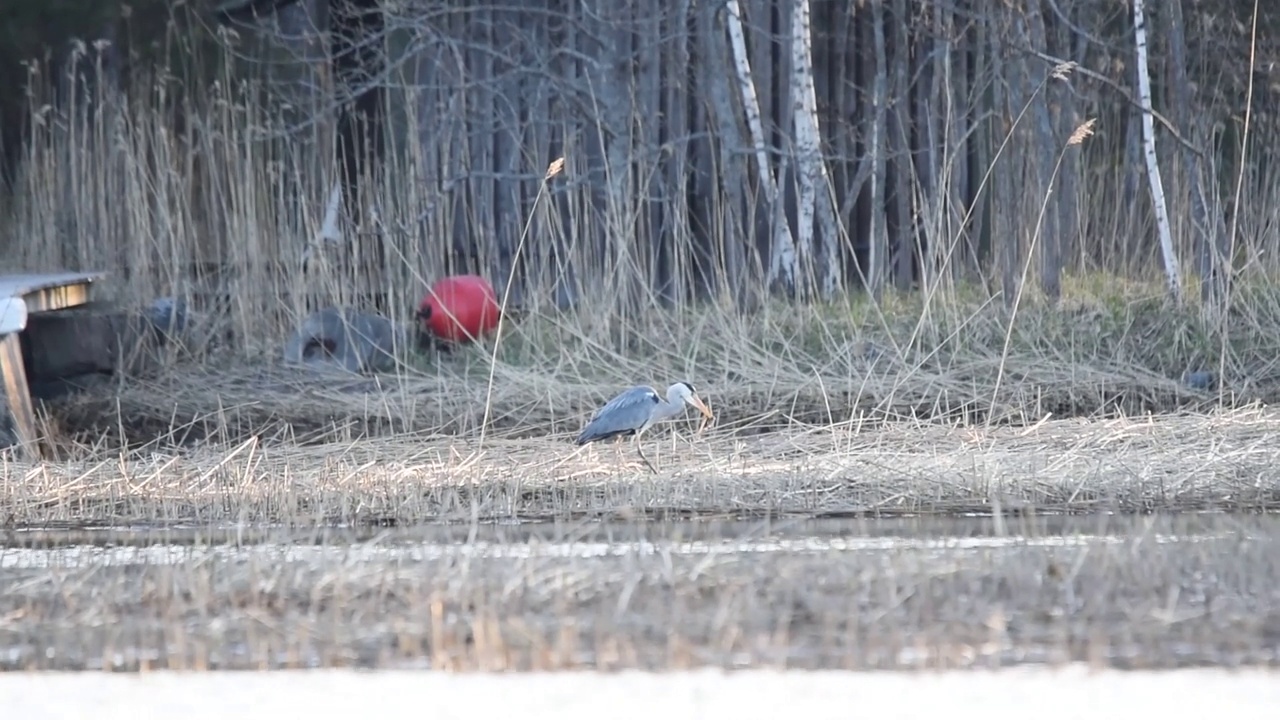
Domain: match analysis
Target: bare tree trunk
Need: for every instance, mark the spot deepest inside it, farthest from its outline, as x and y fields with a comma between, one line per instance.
x=725, y=219
x=1067, y=120
x=610, y=94
x=358, y=32
x=1209, y=232
x=1153, y=167
x=1133, y=216
x=878, y=246
x=905, y=242
x=561, y=259
x=496, y=259
x=851, y=167
x=782, y=260
x=1042, y=164
x=1004, y=199
x=978, y=190
x=702, y=192
x=934, y=111
x=678, y=129
x=661, y=169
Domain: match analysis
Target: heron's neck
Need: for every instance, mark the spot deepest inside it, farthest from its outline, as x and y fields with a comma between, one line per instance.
x=669, y=408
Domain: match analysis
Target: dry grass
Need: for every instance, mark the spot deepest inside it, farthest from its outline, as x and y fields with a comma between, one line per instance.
x=1223, y=460
x=845, y=405
x=1107, y=350
x=1151, y=592
x=941, y=401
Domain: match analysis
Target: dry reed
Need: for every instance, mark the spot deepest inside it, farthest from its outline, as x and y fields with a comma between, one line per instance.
x=1218, y=461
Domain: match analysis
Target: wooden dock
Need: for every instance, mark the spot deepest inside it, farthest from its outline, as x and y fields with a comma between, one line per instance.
x=22, y=296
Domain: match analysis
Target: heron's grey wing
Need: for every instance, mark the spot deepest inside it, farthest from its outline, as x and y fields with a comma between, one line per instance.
x=637, y=396
x=628, y=411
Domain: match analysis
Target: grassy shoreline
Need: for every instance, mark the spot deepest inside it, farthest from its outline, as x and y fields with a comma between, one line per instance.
x=1108, y=349
x=827, y=410
x=1223, y=460
x=806, y=428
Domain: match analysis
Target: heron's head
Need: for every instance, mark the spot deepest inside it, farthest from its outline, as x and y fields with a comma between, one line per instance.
x=689, y=395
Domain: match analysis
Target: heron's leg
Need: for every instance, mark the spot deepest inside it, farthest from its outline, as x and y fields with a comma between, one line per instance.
x=642, y=457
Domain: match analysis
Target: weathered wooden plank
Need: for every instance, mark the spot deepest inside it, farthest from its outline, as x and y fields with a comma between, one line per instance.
x=17, y=398
x=22, y=295
x=13, y=315
x=48, y=291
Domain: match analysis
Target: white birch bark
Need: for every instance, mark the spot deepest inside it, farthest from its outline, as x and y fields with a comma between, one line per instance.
x=330, y=229
x=782, y=258
x=1153, y=166
x=806, y=133
x=814, y=187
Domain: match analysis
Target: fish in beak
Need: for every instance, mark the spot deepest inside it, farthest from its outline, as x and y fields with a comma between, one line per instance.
x=702, y=407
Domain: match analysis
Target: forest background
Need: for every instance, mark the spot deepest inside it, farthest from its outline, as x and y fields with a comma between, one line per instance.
x=1007, y=208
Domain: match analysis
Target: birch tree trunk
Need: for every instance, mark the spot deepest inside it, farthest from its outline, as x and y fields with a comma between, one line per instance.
x=1153, y=166
x=812, y=172
x=806, y=143
x=782, y=256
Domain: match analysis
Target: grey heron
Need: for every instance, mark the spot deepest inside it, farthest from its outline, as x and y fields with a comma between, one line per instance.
x=635, y=410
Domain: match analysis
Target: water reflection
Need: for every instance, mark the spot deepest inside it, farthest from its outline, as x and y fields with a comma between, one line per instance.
x=117, y=546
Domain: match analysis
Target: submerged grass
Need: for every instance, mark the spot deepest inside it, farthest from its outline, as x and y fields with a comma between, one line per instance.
x=1145, y=592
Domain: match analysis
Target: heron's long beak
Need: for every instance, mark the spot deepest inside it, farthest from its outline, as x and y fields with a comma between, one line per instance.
x=697, y=402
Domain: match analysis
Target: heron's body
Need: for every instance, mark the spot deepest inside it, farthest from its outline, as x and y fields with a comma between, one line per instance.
x=635, y=410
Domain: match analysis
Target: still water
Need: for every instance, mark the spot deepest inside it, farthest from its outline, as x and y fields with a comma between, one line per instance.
x=159, y=546
x=1129, y=591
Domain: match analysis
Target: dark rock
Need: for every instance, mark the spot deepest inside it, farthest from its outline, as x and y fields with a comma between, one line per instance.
x=168, y=316
x=353, y=340
x=1200, y=380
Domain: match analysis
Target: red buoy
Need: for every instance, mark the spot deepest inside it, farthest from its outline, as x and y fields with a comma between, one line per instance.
x=460, y=308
